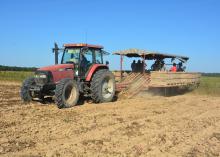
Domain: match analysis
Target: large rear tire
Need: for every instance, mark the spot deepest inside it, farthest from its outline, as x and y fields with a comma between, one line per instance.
x=25, y=90
x=66, y=93
x=103, y=86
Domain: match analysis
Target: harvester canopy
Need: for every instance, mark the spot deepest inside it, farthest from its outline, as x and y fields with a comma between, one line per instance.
x=158, y=76
x=149, y=55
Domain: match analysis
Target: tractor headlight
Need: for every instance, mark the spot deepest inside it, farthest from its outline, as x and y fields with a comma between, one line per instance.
x=41, y=76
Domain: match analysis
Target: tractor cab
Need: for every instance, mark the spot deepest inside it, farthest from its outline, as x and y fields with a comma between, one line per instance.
x=83, y=57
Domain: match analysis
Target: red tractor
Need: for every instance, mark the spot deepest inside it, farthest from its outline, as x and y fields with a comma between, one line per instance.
x=81, y=72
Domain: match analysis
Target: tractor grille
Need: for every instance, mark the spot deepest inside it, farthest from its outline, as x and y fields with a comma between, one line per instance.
x=42, y=77
x=40, y=81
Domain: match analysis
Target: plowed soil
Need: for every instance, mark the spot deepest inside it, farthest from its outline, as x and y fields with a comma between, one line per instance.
x=186, y=125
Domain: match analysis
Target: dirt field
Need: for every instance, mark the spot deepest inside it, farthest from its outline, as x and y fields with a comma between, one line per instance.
x=185, y=125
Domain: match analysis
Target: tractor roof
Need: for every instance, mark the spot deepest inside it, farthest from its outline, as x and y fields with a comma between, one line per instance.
x=149, y=55
x=84, y=45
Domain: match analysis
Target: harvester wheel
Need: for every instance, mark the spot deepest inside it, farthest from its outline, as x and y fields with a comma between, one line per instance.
x=25, y=89
x=103, y=86
x=66, y=93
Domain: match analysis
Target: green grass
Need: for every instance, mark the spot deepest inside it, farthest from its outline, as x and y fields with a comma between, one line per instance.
x=17, y=76
x=209, y=85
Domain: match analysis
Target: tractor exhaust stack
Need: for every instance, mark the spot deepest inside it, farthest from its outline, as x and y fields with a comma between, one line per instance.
x=56, y=52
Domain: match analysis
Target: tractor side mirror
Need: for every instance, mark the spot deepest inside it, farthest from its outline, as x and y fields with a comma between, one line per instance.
x=107, y=63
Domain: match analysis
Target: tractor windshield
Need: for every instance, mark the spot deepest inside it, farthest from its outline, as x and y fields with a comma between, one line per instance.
x=71, y=55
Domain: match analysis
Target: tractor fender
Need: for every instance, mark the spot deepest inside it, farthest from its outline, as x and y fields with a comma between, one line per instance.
x=93, y=69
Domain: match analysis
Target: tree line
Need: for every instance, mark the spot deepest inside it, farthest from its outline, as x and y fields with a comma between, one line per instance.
x=15, y=68
x=211, y=74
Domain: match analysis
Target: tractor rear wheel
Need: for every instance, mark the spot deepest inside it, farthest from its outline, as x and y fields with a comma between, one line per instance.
x=103, y=86
x=66, y=93
x=25, y=89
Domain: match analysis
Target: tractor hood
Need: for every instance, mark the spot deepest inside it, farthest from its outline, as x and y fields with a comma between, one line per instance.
x=59, y=67
x=59, y=71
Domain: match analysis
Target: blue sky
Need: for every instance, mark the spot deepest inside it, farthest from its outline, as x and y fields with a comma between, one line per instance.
x=28, y=29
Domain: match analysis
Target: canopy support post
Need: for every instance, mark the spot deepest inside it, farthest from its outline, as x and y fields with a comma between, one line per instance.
x=143, y=60
x=121, y=68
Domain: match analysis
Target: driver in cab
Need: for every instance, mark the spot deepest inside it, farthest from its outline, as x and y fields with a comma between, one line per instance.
x=73, y=56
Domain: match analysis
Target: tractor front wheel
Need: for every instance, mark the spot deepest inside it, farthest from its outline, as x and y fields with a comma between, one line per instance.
x=103, y=86
x=25, y=89
x=66, y=93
